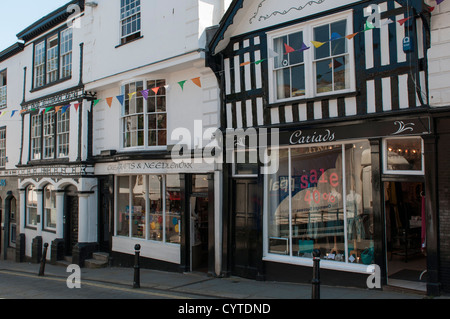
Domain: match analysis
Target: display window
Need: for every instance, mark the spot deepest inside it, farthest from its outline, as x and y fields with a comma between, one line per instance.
x=320, y=198
x=403, y=156
x=149, y=207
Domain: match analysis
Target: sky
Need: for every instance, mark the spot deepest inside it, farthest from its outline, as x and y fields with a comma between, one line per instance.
x=16, y=15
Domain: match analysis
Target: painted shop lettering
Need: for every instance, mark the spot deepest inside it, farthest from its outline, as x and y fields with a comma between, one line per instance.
x=315, y=177
x=298, y=138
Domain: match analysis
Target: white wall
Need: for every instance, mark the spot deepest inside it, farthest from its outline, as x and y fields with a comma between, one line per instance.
x=439, y=55
x=14, y=69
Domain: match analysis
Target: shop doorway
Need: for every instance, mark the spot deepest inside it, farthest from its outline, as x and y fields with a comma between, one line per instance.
x=199, y=232
x=70, y=220
x=405, y=234
x=245, y=223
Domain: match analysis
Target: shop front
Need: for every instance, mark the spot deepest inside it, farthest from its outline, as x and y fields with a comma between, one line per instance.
x=355, y=191
x=168, y=209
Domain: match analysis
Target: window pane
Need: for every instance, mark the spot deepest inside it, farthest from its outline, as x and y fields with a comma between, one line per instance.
x=155, y=216
x=278, y=207
x=298, y=80
x=296, y=42
x=50, y=207
x=173, y=208
x=322, y=34
x=359, y=202
x=162, y=137
x=324, y=76
x=123, y=206
x=404, y=154
x=317, y=205
x=138, y=207
x=338, y=32
x=283, y=82
x=278, y=45
x=31, y=206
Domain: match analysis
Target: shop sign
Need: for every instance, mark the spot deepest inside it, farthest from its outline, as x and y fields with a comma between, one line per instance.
x=63, y=98
x=367, y=129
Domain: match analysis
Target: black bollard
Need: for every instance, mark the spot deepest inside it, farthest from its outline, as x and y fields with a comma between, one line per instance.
x=44, y=257
x=137, y=277
x=316, y=275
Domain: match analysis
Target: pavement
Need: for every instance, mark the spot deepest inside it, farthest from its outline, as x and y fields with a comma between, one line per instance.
x=207, y=287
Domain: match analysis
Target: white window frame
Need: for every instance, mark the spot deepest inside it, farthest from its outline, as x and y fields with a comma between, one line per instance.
x=129, y=17
x=39, y=64
x=66, y=44
x=3, y=89
x=63, y=134
x=2, y=147
x=48, y=135
x=52, y=59
x=402, y=172
x=51, y=210
x=36, y=137
x=146, y=114
x=31, y=206
x=309, y=60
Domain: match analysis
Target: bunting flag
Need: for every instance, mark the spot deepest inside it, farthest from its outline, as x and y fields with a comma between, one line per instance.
x=41, y=110
x=181, y=84
x=96, y=102
x=439, y=1
x=259, y=61
x=12, y=113
x=368, y=26
x=402, y=21
x=145, y=94
x=245, y=63
x=109, y=101
x=57, y=108
x=288, y=49
x=120, y=98
x=273, y=54
x=22, y=111
x=197, y=81
x=76, y=105
x=304, y=47
x=130, y=95
x=47, y=109
x=351, y=36
x=156, y=90
x=335, y=36
x=2, y=113
x=317, y=44
x=64, y=108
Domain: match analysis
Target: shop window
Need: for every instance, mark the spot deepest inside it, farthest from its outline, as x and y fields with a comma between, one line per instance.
x=403, y=156
x=159, y=195
x=31, y=206
x=303, y=70
x=50, y=207
x=320, y=198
